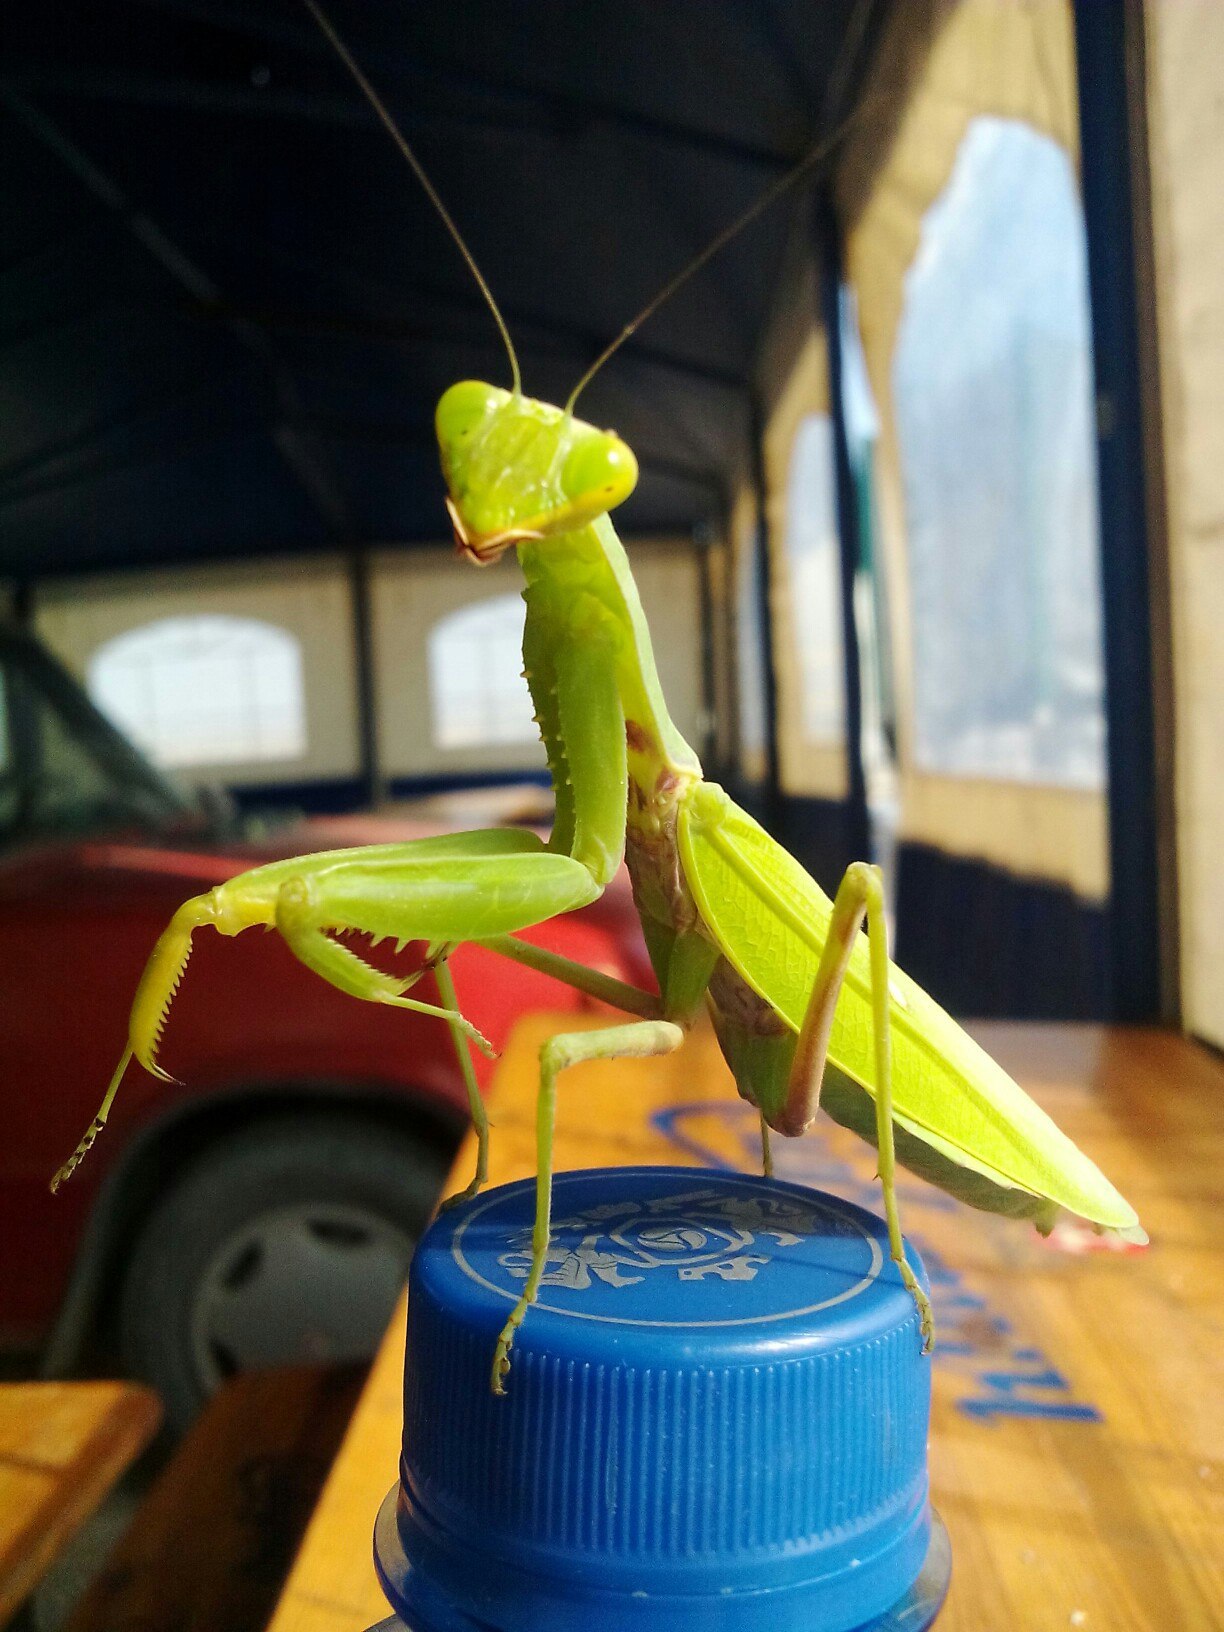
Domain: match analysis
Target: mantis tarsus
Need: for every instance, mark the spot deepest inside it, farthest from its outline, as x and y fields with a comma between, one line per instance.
x=808, y=1011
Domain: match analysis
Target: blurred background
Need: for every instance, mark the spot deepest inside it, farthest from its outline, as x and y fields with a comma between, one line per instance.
x=929, y=536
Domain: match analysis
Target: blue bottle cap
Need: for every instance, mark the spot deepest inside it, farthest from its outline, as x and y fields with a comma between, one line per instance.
x=716, y=1417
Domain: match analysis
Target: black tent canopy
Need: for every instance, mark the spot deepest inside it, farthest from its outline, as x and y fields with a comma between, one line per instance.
x=226, y=309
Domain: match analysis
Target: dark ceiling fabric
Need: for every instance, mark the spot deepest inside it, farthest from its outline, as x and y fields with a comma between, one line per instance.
x=226, y=310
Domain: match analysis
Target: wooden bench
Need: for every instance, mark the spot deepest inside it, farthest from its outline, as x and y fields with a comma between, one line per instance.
x=211, y=1545
x=62, y=1447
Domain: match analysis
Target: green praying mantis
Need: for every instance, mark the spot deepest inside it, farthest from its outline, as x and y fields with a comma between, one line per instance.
x=809, y=1011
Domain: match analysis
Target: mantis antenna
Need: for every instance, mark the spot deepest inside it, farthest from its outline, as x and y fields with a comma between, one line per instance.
x=398, y=137
x=759, y=205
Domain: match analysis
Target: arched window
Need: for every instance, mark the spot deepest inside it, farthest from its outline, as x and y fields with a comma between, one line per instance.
x=476, y=684
x=994, y=409
x=205, y=690
x=814, y=572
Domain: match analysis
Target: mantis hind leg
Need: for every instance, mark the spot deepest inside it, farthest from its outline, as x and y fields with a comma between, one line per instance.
x=635, y=1041
x=860, y=894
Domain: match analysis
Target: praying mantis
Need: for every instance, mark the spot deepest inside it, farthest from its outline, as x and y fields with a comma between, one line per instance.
x=808, y=1010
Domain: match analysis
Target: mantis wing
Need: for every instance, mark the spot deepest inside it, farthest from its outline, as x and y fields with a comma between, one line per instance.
x=770, y=919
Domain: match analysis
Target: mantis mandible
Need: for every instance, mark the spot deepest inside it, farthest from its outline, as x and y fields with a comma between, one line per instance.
x=809, y=1012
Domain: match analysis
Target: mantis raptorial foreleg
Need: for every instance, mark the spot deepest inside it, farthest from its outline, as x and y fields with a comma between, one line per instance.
x=637, y=1041
x=353, y=894
x=444, y=890
x=301, y=917
x=341, y=966
x=860, y=894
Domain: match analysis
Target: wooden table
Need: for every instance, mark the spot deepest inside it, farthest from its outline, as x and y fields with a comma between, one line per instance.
x=1077, y=1441
x=62, y=1447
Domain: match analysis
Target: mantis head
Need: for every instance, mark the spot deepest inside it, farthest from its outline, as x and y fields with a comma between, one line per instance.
x=520, y=469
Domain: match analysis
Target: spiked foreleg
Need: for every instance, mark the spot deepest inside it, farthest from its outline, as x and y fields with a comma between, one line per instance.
x=457, y=887
x=441, y=899
x=300, y=919
x=861, y=894
x=450, y=900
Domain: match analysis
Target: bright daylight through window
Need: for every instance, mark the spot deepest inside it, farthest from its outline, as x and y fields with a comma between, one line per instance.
x=994, y=406
x=476, y=685
x=814, y=568
x=207, y=690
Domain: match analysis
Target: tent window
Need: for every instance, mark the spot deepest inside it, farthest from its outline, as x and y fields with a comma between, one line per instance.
x=993, y=390
x=814, y=571
x=206, y=690
x=870, y=589
x=750, y=656
x=476, y=684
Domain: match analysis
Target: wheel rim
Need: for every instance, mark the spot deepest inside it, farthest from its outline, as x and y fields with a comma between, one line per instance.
x=300, y=1284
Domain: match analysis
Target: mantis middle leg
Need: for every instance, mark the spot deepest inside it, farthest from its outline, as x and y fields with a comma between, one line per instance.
x=300, y=920
x=632, y=999
x=860, y=894
x=639, y=1040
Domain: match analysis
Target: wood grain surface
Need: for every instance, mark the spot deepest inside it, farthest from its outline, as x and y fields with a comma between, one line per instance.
x=62, y=1447
x=1077, y=1439
x=211, y=1544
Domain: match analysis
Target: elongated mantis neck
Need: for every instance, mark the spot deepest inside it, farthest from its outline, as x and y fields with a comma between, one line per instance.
x=593, y=561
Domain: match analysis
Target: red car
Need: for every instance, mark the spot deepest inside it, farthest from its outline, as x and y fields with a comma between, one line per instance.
x=264, y=1209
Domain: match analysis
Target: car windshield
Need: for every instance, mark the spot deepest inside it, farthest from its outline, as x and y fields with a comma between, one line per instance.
x=65, y=771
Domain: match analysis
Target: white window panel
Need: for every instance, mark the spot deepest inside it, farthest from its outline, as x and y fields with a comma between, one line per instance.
x=814, y=580
x=994, y=408
x=750, y=653
x=204, y=690
x=477, y=692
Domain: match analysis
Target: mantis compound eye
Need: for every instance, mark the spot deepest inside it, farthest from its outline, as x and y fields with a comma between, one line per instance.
x=600, y=472
x=462, y=410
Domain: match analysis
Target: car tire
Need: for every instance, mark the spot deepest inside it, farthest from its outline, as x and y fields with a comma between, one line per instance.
x=285, y=1242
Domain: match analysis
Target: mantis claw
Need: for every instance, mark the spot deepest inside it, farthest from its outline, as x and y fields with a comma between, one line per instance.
x=451, y=1016
x=68, y=1168
x=926, y=1318
x=501, y=1365
x=460, y=1196
x=86, y=1142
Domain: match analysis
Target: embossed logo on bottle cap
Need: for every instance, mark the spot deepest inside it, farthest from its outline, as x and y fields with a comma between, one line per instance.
x=704, y=1241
